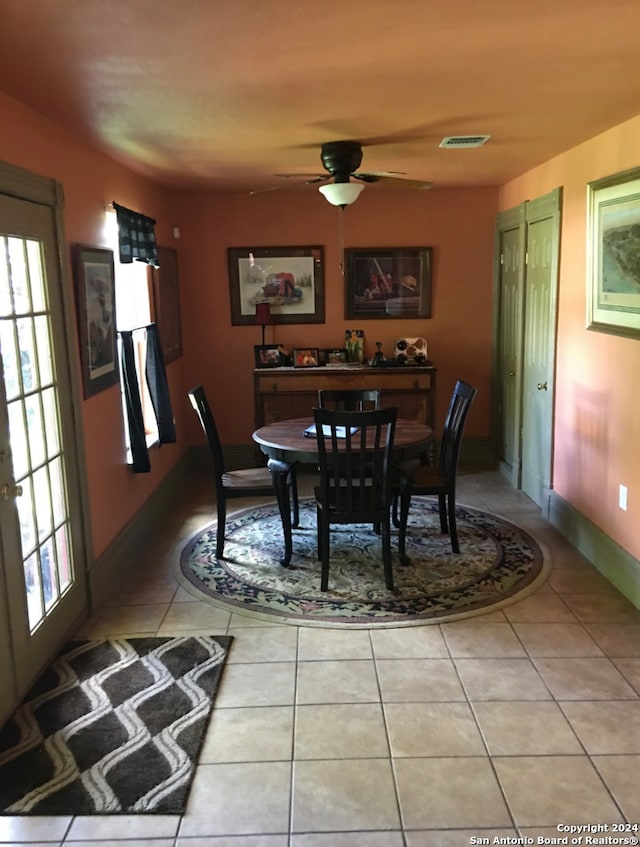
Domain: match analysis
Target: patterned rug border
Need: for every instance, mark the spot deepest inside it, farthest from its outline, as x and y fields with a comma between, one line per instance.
x=38, y=752
x=529, y=586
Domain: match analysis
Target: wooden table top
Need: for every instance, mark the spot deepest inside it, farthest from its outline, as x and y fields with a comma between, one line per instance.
x=285, y=440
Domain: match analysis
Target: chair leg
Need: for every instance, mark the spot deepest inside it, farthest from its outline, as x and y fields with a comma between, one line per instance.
x=394, y=512
x=386, y=554
x=453, y=527
x=442, y=502
x=222, y=523
x=405, y=502
x=295, y=509
x=323, y=550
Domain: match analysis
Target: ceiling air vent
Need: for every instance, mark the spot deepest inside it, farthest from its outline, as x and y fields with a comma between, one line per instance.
x=464, y=141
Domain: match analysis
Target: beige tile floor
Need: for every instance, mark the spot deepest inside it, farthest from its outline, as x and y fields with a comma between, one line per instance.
x=503, y=725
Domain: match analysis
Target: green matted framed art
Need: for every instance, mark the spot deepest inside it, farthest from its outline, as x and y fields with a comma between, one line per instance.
x=613, y=254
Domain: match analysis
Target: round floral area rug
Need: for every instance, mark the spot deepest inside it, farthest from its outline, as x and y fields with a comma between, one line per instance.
x=498, y=564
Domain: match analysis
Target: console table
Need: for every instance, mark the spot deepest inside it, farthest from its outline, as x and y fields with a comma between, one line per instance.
x=285, y=393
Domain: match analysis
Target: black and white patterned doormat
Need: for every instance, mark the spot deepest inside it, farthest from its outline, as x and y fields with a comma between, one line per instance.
x=114, y=726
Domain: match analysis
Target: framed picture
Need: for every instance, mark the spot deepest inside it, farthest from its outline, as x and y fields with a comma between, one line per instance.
x=96, y=303
x=290, y=279
x=267, y=356
x=166, y=303
x=336, y=356
x=306, y=357
x=613, y=253
x=393, y=282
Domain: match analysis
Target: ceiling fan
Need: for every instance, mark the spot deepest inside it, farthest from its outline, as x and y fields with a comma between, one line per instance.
x=341, y=160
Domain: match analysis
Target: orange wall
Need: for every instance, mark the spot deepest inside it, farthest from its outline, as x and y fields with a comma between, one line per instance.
x=458, y=224
x=597, y=414
x=90, y=181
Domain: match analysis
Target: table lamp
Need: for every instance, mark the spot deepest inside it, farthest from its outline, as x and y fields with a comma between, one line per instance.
x=263, y=316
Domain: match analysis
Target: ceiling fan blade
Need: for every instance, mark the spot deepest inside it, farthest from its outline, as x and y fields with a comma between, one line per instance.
x=302, y=176
x=313, y=178
x=384, y=173
x=394, y=182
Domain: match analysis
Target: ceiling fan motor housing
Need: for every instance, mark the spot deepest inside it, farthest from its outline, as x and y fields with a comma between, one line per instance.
x=341, y=158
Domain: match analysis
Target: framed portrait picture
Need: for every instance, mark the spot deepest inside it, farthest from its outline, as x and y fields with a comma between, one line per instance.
x=267, y=356
x=289, y=279
x=613, y=254
x=306, y=357
x=96, y=303
x=393, y=282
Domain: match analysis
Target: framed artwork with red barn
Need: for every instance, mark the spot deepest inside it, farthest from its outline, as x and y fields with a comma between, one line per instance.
x=289, y=279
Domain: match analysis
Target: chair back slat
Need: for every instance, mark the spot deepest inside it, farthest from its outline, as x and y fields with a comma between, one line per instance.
x=354, y=469
x=201, y=406
x=349, y=400
x=461, y=399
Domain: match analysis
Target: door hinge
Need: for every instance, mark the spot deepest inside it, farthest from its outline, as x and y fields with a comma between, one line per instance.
x=502, y=258
x=526, y=258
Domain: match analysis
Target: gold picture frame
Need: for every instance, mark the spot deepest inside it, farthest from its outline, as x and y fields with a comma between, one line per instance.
x=613, y=254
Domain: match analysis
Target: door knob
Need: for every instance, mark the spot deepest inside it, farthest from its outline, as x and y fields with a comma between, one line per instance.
x=512, y=373
x=542, y=386
x=8, y=491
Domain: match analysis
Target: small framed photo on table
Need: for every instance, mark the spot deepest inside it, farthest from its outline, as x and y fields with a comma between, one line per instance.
x=267, y=356
x=306, y=357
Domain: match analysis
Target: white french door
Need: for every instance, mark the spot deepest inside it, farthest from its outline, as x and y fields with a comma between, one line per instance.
x=42, y=560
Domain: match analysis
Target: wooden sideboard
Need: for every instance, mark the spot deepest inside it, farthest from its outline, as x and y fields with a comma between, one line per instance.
x=284, y=393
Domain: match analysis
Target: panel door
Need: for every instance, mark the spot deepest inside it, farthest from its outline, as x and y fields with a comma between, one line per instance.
x=510, y=346
x=41, y=550
x=539, y=355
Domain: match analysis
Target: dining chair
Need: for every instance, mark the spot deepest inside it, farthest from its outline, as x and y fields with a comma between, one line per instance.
x=354, y=455
x=246, y=482
x=439, y=479
x=349, y=400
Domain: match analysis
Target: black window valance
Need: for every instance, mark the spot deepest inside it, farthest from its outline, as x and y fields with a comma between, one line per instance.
x=136, y=236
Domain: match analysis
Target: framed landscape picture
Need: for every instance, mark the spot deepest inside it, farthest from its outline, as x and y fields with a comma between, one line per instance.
x=289, y=279
x=392, y=282
x=613, y=254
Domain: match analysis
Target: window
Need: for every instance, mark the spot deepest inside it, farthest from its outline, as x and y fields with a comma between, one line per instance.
x=133, y=310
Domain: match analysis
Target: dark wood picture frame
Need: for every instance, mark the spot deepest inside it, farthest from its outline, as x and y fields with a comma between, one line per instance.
x=166, y=303
x=388, y=282
x=290, y=279
x=305, y=357
x=267, y=355
x=95, y=289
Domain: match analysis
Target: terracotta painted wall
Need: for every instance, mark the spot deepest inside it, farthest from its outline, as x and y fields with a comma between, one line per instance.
x=90, y=181
x=458, y=224
x=597, y=413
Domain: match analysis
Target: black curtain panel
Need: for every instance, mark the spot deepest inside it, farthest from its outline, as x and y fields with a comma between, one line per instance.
x=136, y=237
x=159, y=387
x=140, y=462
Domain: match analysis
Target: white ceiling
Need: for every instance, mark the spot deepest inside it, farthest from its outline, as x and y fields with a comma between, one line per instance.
x=223, y=94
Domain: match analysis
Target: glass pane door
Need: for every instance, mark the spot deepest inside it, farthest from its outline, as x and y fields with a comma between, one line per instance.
x=35, y=513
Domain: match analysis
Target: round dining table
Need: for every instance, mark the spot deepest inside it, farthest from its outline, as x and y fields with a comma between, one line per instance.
x=285, y=445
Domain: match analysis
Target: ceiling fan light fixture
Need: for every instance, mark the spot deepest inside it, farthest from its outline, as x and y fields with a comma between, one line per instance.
x=341, y=193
